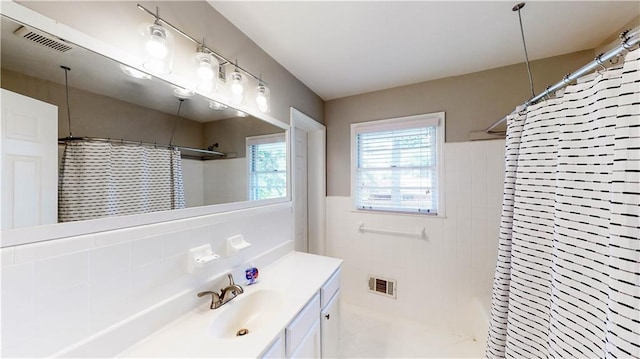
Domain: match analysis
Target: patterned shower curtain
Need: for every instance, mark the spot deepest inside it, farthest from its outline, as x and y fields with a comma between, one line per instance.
x=567, y=281
x=99, y=179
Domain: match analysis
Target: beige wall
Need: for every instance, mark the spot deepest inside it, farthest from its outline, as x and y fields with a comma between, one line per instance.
x=471, y=102
x=96, y=115
x=116, y=23
x=614, y=40
x=230, y=134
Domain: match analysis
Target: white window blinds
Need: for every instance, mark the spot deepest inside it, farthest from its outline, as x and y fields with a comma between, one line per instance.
x=397, y=166
x=267, y=166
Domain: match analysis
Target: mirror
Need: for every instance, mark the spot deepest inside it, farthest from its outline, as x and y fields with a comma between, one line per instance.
x=105, y=103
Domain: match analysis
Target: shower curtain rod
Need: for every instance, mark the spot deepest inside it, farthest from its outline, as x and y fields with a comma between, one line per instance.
x=628, y=40
x=140, y=143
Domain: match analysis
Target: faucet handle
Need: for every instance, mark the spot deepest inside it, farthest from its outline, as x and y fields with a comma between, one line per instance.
x=231, y=282
x=215, y=299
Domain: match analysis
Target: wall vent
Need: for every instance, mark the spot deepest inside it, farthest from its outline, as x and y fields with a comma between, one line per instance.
x=383, y=286
x=42, y=39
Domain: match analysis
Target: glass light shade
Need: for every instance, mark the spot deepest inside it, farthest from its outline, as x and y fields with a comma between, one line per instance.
x=207, y=65
x=131, y=72
x=182, y=93
x=157, y=45
x=237, y=87
x=217, y=106
x=262, y=98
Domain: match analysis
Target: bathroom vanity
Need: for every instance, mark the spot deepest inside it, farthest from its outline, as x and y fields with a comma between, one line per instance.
x=292, y=312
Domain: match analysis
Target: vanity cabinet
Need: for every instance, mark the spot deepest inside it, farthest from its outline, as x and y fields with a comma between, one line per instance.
x=314, y=333
x=330, y=328
x=276, y=349
x=329, y=316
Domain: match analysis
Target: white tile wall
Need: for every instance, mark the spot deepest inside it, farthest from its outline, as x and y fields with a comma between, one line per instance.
x=61, y=292
x=439, y=278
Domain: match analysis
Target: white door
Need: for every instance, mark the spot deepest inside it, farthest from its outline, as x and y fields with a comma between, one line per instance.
x=300, y=194
x=330, y=327
x=29, y=161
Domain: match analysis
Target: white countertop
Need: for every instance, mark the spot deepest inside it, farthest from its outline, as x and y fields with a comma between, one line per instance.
x=296, y=277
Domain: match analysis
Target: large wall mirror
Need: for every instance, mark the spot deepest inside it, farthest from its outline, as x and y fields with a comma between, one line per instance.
x=237, y=158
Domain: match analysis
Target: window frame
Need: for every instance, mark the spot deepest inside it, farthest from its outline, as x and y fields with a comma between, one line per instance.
x=260, y=140
x=429, y=119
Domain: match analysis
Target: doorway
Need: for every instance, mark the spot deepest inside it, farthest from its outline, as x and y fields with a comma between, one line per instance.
x=309, y=182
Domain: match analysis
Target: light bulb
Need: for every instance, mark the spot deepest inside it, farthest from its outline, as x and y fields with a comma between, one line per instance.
x=156, y=44
x=236, y=84
x=205, y=67
x=205, y=72
x=261, y=99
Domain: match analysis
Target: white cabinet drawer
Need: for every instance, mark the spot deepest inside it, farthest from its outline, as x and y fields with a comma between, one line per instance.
x=329, y=288
x=298, y=328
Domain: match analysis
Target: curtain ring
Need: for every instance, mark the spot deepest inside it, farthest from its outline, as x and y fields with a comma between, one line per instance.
x=547, y=94
x=617, y=60
x=566, y=80
x=624, y=40
x=602, y=69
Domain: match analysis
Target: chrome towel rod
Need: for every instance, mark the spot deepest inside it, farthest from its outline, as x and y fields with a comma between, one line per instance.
x=140, y=143
x=421, y=234
x=628, y=40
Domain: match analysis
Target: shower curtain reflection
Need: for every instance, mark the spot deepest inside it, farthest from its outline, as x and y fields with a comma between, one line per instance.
x=99, y=179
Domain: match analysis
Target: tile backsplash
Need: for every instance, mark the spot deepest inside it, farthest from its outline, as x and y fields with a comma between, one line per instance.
x=62, y=292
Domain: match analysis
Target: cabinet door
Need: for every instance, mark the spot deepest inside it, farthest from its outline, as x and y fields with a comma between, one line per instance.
x=276, y=350
x=310, y=345
x=330, y=327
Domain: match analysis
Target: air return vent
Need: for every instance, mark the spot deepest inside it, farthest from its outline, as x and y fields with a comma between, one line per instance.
x=42, y=39
x=383, y=286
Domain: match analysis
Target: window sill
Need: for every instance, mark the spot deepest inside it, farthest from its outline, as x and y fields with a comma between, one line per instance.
x=404, y=214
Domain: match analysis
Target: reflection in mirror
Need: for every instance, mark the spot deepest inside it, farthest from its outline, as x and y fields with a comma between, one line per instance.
x=245, y=157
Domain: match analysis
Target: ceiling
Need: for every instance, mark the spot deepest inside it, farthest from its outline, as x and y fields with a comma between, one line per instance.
x=344, y=48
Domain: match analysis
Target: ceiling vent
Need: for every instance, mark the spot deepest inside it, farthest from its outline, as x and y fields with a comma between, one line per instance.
x=42, y=39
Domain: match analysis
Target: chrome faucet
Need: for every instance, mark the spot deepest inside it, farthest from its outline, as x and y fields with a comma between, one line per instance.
x=226, y=294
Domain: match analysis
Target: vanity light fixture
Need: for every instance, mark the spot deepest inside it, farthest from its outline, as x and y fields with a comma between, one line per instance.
x=262, y=97
x=206, y=70
x=208, y=62
x=131, y=72
x=182, y=93
x=158, y=46
x=237, y=87
x=217, y=106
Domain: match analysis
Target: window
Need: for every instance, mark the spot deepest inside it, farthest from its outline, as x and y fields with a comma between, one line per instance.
x=267, y=157
x=397, y=164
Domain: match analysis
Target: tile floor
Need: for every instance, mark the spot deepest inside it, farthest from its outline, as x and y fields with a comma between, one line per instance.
x=366, y=334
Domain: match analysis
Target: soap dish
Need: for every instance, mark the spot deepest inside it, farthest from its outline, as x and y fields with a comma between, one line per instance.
x=201, y=255
x=236, y=243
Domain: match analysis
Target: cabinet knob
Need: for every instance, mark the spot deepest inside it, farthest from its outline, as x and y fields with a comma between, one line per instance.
x=327, y=316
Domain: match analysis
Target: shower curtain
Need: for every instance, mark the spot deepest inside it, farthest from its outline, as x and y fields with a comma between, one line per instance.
x=567, y=281
x=99, y=179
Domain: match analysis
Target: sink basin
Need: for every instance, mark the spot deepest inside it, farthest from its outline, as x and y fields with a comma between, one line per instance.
x=246, y=314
